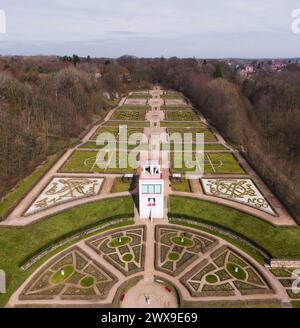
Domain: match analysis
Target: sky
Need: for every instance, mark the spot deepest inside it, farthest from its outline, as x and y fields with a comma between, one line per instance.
x=186, y=28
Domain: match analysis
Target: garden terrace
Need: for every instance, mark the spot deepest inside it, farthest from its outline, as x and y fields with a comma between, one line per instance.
x=139, y=96
x=123, y=248
x=93, y=145
x=128, y=107
x=121, y=115
x=214, y=163
x=225, y=273
x=115, y=131
x=176, y=108
x=181, y=115
x=208, y=135
x=177, y=248
x=207, y=147
x=72, y=275
x=175, y=102
x=82, y=161
x=136, y=102
x=173, y=95
x=182, y=186
x=175, y=124
x=130, y=124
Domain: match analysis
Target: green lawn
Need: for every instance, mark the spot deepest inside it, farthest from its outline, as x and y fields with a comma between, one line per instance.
x=138, y=96
x=93, y=145
x=119, y=242
x=222, y=163
x=173, y=96
x=127, y=257
x=130, y=124
x=176, y=108
x=84, y=161
x=129, y=115
x=173, y=256
x=181, y=115
x=87, y=282
x=279, y=242
x=207, y=147
x=183, y=185
x=211, y=279
x=136, y=107
x=58, y=277
x=213, y=163
x=196, y=124
x=182, y=241
x=236, y=271
x=115, y=131
x=12, y=197
x=210, y=147
x=208, y=135
x=121, y=186
x=17, y=245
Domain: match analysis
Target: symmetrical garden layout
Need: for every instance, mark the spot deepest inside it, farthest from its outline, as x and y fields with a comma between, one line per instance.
x=200, y=266
x=72, y=275
x=114, y=258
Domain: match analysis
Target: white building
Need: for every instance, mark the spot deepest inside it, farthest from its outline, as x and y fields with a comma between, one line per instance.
x=151, y=192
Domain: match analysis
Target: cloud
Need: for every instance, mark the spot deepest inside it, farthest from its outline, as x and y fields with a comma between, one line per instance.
x=215, y=27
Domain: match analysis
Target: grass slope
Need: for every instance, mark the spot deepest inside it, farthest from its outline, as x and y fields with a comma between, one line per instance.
x=12, y=197
x=279, y=242
x=16, y=245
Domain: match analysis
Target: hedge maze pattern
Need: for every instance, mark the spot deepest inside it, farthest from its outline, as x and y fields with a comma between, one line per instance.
x=178, y=248
x=225, y=273
x=72, y=275
x=124, y=249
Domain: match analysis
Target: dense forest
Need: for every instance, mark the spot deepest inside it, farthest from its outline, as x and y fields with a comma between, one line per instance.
x=46, y=98
x=45, y=103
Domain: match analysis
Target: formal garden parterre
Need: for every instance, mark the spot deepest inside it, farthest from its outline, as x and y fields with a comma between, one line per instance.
x=124, y=249
x=176, y=248
x=63, y=190
x=72, y=275
x=225, y=273
x=181, y=115
x=129, y=115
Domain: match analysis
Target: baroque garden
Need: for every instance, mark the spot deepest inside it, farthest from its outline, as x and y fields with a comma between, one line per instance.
x=74, y=235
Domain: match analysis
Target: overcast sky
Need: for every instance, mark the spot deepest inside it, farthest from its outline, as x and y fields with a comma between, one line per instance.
x=111, y=28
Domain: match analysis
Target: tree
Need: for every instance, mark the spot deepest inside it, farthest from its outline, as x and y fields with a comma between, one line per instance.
x=75, y=60
x=218, y=73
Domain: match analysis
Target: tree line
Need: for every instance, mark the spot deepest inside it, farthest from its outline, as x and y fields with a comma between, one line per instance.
x=45, y=103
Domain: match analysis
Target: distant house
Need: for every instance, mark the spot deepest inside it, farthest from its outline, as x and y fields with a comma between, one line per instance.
x=246, y=70
x=249, y=69
x=98, y=73
x=278, y=65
